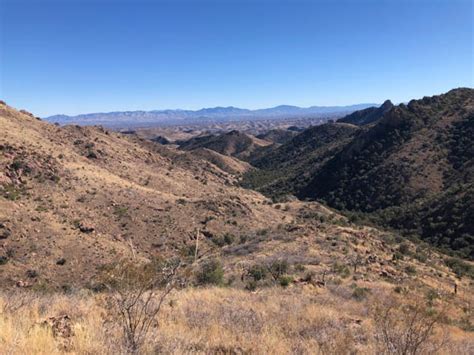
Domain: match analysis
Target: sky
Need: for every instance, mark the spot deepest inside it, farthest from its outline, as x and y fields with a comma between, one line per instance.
x=75, y=57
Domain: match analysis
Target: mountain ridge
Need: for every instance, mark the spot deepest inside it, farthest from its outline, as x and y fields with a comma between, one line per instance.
x=409, y=167
x=218, y=113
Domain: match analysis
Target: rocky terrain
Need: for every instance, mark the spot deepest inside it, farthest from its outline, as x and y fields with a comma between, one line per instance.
x=74, y=201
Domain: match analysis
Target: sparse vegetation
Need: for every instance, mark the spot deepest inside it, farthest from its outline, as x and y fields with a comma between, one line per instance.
x=211, y=273
x=137, y=296
x=263, y=275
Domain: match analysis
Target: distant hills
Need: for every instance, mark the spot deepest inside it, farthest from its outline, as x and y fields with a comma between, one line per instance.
x=122, y=119
x=234, y=143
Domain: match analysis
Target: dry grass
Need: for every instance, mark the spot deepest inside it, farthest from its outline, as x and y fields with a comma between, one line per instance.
x=302, y=320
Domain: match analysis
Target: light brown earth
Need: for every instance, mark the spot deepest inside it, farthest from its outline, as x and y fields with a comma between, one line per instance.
x=75, y=199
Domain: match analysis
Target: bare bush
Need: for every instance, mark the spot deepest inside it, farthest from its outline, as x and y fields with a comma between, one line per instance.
x=13, y=301
x=137, y=295
x=407, y=329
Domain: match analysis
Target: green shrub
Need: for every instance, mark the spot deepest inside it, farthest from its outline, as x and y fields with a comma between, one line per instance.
x=404, y=249
x=411, y=270
x=211, y=273
x=258, y=272
x=120, y=211
x=341, y=269
x=460, y=267
x=251, y=285
x=228, y=238
x=11, y=192
x=278, y=268
x=360, y=293
x=285, y=280
x=300, y=267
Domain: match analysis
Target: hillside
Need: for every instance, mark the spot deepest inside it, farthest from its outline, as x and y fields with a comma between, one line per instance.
x=368, y=115
x=288, y=168
x=278, y=136
x=226, y=163
x=406, y=170
x=77, y=201
x=72, y=199
x=234, y=143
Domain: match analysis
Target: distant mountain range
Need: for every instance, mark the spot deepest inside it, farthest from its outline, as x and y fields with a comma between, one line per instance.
x=122, y=119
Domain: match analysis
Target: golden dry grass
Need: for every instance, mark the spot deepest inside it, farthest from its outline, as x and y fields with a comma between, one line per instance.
x=301, y=320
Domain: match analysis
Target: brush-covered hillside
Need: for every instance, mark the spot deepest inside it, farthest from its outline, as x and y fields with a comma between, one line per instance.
x=368, y=115
x=285, y=169
x=278, y=136
x=89, y=216
x=412, y=169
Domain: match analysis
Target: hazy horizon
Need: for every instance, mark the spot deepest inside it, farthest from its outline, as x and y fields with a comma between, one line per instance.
x=76, y=57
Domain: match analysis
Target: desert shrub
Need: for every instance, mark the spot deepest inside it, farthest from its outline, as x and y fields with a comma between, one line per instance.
x=3, y=260
x=360, y=293
x=341, y=269
x=278, y=268
x=421, y=256
x=309, y=276
x=431, y=295
x=404, y=249
x=285, y=280
x=258, y=272
x=222, y=240
x=210, y=273
x=120, y=211
x=411, y=270
x=300, y=267
x=228, y=238
x=137, y=294
x=31, y=273
x=460, y=267
x=397, y=256
x=11, y=192
x=251, y=285
x=398, y=289
x=19, y=164
x=406, y=328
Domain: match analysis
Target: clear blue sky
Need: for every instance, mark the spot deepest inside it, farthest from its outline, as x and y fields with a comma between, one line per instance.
x=87, y=56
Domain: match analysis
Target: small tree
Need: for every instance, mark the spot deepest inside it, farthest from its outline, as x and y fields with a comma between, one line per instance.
x=137, y=294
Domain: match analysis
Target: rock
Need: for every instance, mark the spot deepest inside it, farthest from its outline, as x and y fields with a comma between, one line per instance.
x=372, y=259
x=5, y=233
x=23, y=284
x=86, y=228
x=62, y=329
x=61, y=261
x=61, y=326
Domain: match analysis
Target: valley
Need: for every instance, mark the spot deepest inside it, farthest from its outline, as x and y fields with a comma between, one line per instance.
x=285, y=224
